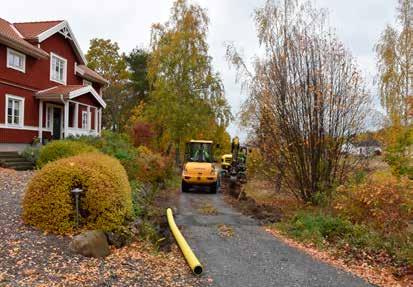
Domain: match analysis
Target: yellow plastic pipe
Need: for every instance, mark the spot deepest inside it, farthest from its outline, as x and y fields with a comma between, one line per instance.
x=189, y=255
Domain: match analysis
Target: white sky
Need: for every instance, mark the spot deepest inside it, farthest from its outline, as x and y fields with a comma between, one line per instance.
x=358, y=24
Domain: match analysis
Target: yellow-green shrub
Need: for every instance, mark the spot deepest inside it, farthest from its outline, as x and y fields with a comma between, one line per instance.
x=382, y=201
x=105, y=203
x=258, y=166
x=61, y=149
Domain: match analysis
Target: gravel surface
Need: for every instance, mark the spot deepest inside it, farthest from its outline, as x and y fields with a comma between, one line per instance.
x=29, y=257
x=236, y=251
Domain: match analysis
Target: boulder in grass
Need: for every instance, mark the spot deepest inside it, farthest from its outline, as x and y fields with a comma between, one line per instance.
x=91, y=244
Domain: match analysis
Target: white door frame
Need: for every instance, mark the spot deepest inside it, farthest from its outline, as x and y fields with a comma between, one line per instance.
x=54, y=106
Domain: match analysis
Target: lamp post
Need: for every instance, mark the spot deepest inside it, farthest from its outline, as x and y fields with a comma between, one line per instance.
x=77, y=191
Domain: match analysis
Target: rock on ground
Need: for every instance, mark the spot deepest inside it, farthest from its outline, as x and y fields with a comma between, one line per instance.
x=91, y=243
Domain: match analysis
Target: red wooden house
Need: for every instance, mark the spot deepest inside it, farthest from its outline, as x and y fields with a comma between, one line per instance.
x=46, y=89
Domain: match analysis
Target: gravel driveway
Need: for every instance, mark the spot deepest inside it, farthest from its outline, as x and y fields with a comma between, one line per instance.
x=30, y=258
x=235, y=251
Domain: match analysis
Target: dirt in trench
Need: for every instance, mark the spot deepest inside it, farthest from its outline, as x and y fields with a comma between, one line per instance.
x=235, y=195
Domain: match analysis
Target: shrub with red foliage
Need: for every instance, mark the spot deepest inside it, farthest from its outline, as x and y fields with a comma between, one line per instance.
x=142, y=134
x=383, y=201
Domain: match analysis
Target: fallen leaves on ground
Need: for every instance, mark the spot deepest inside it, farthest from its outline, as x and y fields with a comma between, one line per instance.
x=31, y=258
x=207, y=209
x=373, y=274
x=225, y=230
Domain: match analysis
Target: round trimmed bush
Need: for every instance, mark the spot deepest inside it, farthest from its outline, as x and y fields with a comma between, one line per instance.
x=105, y=204
x=61, y=149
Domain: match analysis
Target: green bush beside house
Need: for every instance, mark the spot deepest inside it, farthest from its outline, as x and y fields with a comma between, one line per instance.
x=61, y=149
x=106, y=202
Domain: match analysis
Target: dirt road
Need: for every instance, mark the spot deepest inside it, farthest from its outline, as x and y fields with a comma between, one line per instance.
x=236, y=251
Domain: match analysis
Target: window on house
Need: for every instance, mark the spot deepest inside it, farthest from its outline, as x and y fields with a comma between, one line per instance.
x=15, y=110
x=49, y=117
x=84, y=119
x=58, y=69
x=16, y=60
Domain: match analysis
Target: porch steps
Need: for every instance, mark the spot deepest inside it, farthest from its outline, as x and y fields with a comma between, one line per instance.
x=14, y=161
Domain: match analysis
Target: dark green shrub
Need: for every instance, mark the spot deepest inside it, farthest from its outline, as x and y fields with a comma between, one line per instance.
x=140, y=163
x=115, y=144
x=105, y=204
x=61, y=149
x=358, y=239
x=318, y=227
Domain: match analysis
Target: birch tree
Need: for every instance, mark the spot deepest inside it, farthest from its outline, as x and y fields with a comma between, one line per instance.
x=395, y=65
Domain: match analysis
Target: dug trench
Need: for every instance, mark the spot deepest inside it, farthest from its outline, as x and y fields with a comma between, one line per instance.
x=235, y=195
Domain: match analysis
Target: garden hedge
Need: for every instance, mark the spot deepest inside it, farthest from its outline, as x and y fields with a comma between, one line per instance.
x=105, y=204
x=61, y=149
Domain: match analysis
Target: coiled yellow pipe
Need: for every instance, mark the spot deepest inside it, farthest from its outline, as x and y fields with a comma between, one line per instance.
x=189, y=255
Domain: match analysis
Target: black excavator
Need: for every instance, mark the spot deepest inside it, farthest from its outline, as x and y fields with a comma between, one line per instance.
x=238, y=169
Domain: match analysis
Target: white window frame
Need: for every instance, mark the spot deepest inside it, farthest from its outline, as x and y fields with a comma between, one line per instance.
x=53, y=55
x=11, y=51
x=49, y=117
x=21, y=111
x=85, y=125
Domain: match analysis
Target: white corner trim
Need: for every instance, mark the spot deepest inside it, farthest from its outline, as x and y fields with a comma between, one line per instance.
x=26, y=128
x=79, y=70
x=64, y=24
x=21, y=111
x=85, y=90
x=50, y=128
x=9, y=50
x=64, y=71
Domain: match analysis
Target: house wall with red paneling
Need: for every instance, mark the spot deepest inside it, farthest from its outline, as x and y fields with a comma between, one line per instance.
x=87, y=99
x=31, y=105
x=37, y=75
x=16, y=136
x=36, y=78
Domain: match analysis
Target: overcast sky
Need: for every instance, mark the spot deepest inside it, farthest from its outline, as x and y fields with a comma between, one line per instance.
x=358, y=24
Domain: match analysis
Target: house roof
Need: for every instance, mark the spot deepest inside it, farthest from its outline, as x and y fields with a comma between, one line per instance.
x=69, y=92
x=37, y=32
x=23, y=37
x=89, y=74
x=12, y=38
x=31, y=30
